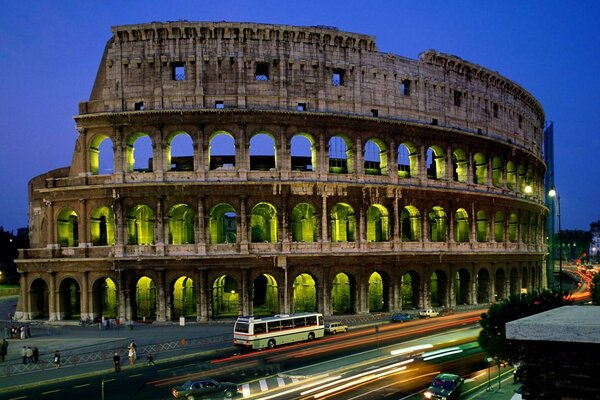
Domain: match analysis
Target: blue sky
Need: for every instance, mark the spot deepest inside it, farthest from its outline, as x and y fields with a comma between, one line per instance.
x=50, y=51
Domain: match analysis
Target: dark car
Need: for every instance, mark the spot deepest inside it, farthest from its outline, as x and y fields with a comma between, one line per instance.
x=205, y=389
x=445, y=386
x=401, y=317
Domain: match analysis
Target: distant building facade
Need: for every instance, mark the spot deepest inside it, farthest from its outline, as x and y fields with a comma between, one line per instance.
x=385, y=182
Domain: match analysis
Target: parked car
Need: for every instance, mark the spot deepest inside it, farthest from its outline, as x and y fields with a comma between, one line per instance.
x=428, y=313
x=445, y=386
x=401, y=317
x=203, y=388
x=335, y=327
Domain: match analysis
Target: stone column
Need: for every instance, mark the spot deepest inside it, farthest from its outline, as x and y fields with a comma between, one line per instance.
x=200, y=234
x=324, y=214
x=84, y=298
x=161, y=315
x=53, y=298
x=123, y=294
x=246, y=306
x=82, y=229
x=159, y=234
x=423, y=165
x=397, y=235
x=203, y=297
x=119, y=163
x=470, y=172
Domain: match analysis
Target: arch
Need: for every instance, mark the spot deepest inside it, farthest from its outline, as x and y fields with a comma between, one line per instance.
x=483, y=226
x=181, y=224
x=408, y=160
x=511, y=175
x=513, y=228
x=483, y=286
x=343, y=223
x=343, y=294
x=144, y=302
x=179, y=152
x=104, y=299
x=304, y=293
x=379, y=292
x=139, y=153
x=375, y=158
x=39, y=299
x=221, y=151
x=436, y=163
x=522, y=175
x=69, y=299
x=222, y=224
x=263, y=152
x=101, y=155
x=515, y=287
x=438, y=289
x=304, y=223
x=497, y=171
x=225, y=297
x=459, y=166
x=303, y=152
x=462, y=287
x=341, y=155
x=480, y=170
x=533, y=227
x=183, y=297
x=438, y=223
x=410, y=221
x=411, y=290
x=461, y=225
x=525, y=227
x=525, y=283
x=67, y=227
x=499, y=225
x=102, y=226
x=140, y=225
x=265, y=300
x=500, y=285
x=378, y=223
x=263, y=223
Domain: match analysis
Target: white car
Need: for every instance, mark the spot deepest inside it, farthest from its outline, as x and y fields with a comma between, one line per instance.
x=335, y=327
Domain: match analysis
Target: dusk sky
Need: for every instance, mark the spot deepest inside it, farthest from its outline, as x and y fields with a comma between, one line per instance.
x=50, y=52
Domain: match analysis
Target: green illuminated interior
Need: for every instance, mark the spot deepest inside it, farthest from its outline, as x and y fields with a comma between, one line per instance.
x=410, y=221
x=499, y=226
x=437, y=168
x=223, y=224
x=480, y=169
x=181, y=224
x=459, y=163
x=69, y=298
x=409, y=291
x=522, y=178
x=343, y=223
x=265, y=299
x=67, y=226
x=438, y=224
x=94, y=153
x=184, y=298
x=511, y=175
x=378, y=224
x=533, y=227
x=461, y=227
x=376, y=291
x=513, y=228
x=482, y=226
x=305, y=294
x=304, y=223
x=341, y=294
x=497, y=171
x=102, y=227
x=140, y=225
x=524, y=227
x=225, y=297
x=145, y=299
x=263, y=223
x=408, y=160
x=108, y=296
x=433, y=290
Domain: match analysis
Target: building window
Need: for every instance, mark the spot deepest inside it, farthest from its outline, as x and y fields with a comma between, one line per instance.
x=178, y=71
x=219, y=104
x=520, y=121
x=338, y=77
x=138, y=106
x=301, y=107
x=495, y=110
x=262, y=72
x=375, y=112
x=457, y=98
x=405, y=88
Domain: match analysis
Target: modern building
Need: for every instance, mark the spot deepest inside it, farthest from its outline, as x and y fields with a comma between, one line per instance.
x=318, y=173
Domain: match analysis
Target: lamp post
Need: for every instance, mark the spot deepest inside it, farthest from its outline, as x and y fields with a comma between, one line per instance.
x=554, y=193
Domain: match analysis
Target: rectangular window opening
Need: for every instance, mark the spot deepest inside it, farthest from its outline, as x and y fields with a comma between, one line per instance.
x=495, y=110
x=219, y=104
x=138, y=106
x=178, y=71
x=520, y=121
x=338, y=77
x=457, y=98
x=301, y=107
x=375, y=112
x=405, y=88
x=434, y=121
x=262, y=72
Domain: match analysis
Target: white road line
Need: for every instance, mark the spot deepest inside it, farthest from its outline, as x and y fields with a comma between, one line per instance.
x=109, y=380
x=263, y=385
x=280, y=382
x=246, y=390
x=52, y=391
x=84, y=385
x=19, y=398
x=133, y=376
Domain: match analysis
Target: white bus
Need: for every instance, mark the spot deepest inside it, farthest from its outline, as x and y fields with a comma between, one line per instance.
x=259, y=333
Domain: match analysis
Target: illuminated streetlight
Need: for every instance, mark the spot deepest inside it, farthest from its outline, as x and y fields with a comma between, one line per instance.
x=529, y=190
x=554, y=194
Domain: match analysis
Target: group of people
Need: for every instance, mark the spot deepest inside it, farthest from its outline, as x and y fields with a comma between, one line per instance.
x=20, y=332
x=132, y=355
x=30, y=356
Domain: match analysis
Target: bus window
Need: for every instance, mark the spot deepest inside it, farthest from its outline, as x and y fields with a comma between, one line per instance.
x=287, y=323
x=241, y=327
x=274, y=326
x=260, y=328
x=298, y=322
x=312, y=320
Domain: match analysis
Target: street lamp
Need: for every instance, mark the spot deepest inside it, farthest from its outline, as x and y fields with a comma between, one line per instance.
x=554, y=193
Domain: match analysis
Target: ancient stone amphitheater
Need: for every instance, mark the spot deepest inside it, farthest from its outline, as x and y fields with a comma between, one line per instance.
x=287, y=169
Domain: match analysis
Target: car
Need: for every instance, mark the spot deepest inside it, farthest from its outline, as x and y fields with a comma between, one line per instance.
x=445, y=386
x=401, y=317
x=335, y=327
x=204, y=389
x=428, y=313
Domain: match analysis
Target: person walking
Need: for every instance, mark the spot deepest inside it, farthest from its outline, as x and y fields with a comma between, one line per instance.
x=29, y=353
x=117, y=361
x=150, y=359
x=24, y=355
x=36, y=355
x=56, y=359
x=22, y=332
x=132, y=355
x=3, y=349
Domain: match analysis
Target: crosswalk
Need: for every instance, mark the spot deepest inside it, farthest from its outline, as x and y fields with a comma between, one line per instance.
x=266, y=384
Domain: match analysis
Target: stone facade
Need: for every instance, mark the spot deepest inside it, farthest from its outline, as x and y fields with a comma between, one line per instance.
x=424, y=177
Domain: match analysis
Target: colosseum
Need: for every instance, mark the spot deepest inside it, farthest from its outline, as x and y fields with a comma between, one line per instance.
x=287, y=169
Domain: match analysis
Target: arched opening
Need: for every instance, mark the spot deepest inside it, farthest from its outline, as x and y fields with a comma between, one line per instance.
x=411, y=283
x=105, y=302
x=513, y=228
x=438, y=224
x=264, y=223
x=140, y=225
x=408, y=160
x=181, y=224
x=480, y=163
x=525, y=227
x=533, y=228
x=343, y=294
x=38, y=297
x=304, y=223
x=438, y=289
x=265, y=300
x=461, y=225
x=515, y=287
x=378, y=224
x=511, y=175
x=102, y=226
x=101, y=155
x=462, y=286
x=436, y=163
x=483, y=226
x=340, y=155
x=183, y=298
x=221, y=151
x=483, y=286
x=67, y=225
x=499, y=226
x=303, y=152
x=375, y=158
x=263, y=153
x=410, y=221
x=144, y=304
x=521, y=171
x=459, y=166
x=500, y=285
x=343, y=223
x=69, y=299
x=139, y=153
x=379, y=288
x=222, y=224
x=497, y=172
x=525, y=284
x=179, y=152
x=225, y=297
x=305, y=294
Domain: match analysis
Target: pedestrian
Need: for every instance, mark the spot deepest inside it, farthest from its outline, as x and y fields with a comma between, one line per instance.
x=131, y=355
x=29, y=353
x=4, y=349
x=132, y=344
x=36, y=355
x=22, y=332
x=27, y=331
x=56, y=359
x=24, y=355
x=150, y=359
x=117, y=361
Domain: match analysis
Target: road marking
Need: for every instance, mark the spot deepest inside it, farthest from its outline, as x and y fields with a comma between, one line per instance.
x=263, y=385
x=52, y=391
x=163, y=370
x=109, y=380
x=133, y=376
x=246, y=390
x=19, y=398
x=280, y=382
x=80, y=386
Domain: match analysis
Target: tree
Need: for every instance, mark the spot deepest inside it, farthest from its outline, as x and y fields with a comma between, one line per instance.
x=492, y=338
x=595, y=289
